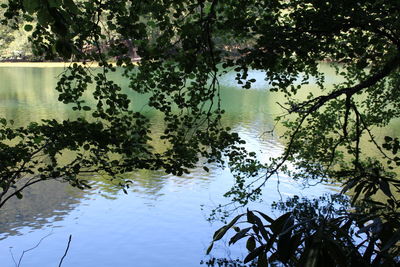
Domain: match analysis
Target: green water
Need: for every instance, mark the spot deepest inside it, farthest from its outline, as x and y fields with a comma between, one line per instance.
x=160, y=221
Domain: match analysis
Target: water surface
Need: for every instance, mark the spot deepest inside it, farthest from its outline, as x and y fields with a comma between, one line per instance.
x=160, y=222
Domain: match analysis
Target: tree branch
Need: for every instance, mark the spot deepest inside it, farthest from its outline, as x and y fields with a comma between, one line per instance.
x=390, y=66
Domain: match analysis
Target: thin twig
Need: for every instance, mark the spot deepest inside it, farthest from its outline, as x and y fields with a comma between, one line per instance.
x=66, y=251
x=40, y=241
x=12, y=256
x=372, y=138
x=318, y=102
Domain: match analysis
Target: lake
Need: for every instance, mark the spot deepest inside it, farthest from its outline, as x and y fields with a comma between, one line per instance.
x=162, y=221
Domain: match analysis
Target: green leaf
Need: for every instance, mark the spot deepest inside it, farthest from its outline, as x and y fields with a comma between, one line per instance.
x=151, y=23
x=28, y=27
x=31, y=5
x=44, y=18
x=210, y=248
x=64, y=48
x=71, y=6
x=38, y=139
x=18, y=195
x=55, y=3
x=384, y=185
x=388, y=139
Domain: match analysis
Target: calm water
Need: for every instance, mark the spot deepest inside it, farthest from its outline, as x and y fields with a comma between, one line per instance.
x=160, y=222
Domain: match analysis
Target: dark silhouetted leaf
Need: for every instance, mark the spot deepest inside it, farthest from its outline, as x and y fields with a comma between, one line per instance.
x=384, y=185
x=262, y=260
x=210, y=248
x=222, y=231
x=251, y=243
x=266, y=217
x=254, y=254
x=242, y=233
x=278, y=225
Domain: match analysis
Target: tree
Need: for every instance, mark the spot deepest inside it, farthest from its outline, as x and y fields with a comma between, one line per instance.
x=116, y=139
x=183, y=49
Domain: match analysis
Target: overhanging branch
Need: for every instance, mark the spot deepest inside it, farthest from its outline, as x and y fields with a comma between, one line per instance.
x=319, y=101
x=390, y=66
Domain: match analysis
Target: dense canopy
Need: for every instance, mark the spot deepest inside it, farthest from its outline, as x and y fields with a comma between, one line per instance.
x=184, y=47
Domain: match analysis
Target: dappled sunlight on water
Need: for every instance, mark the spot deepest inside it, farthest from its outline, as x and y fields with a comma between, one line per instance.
x=160, y=222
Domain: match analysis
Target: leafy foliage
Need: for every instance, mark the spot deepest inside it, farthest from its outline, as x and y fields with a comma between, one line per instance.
x=116, y=140
x=316, y=233
x=184, y=46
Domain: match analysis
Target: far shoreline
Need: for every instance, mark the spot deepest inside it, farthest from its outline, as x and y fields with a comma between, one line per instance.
x=43, y=64
x=54, y=64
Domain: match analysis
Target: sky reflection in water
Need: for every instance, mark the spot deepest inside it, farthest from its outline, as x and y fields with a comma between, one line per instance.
x=160, y=221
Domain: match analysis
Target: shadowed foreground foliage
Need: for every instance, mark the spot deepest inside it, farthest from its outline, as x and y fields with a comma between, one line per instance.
x=184, y=47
